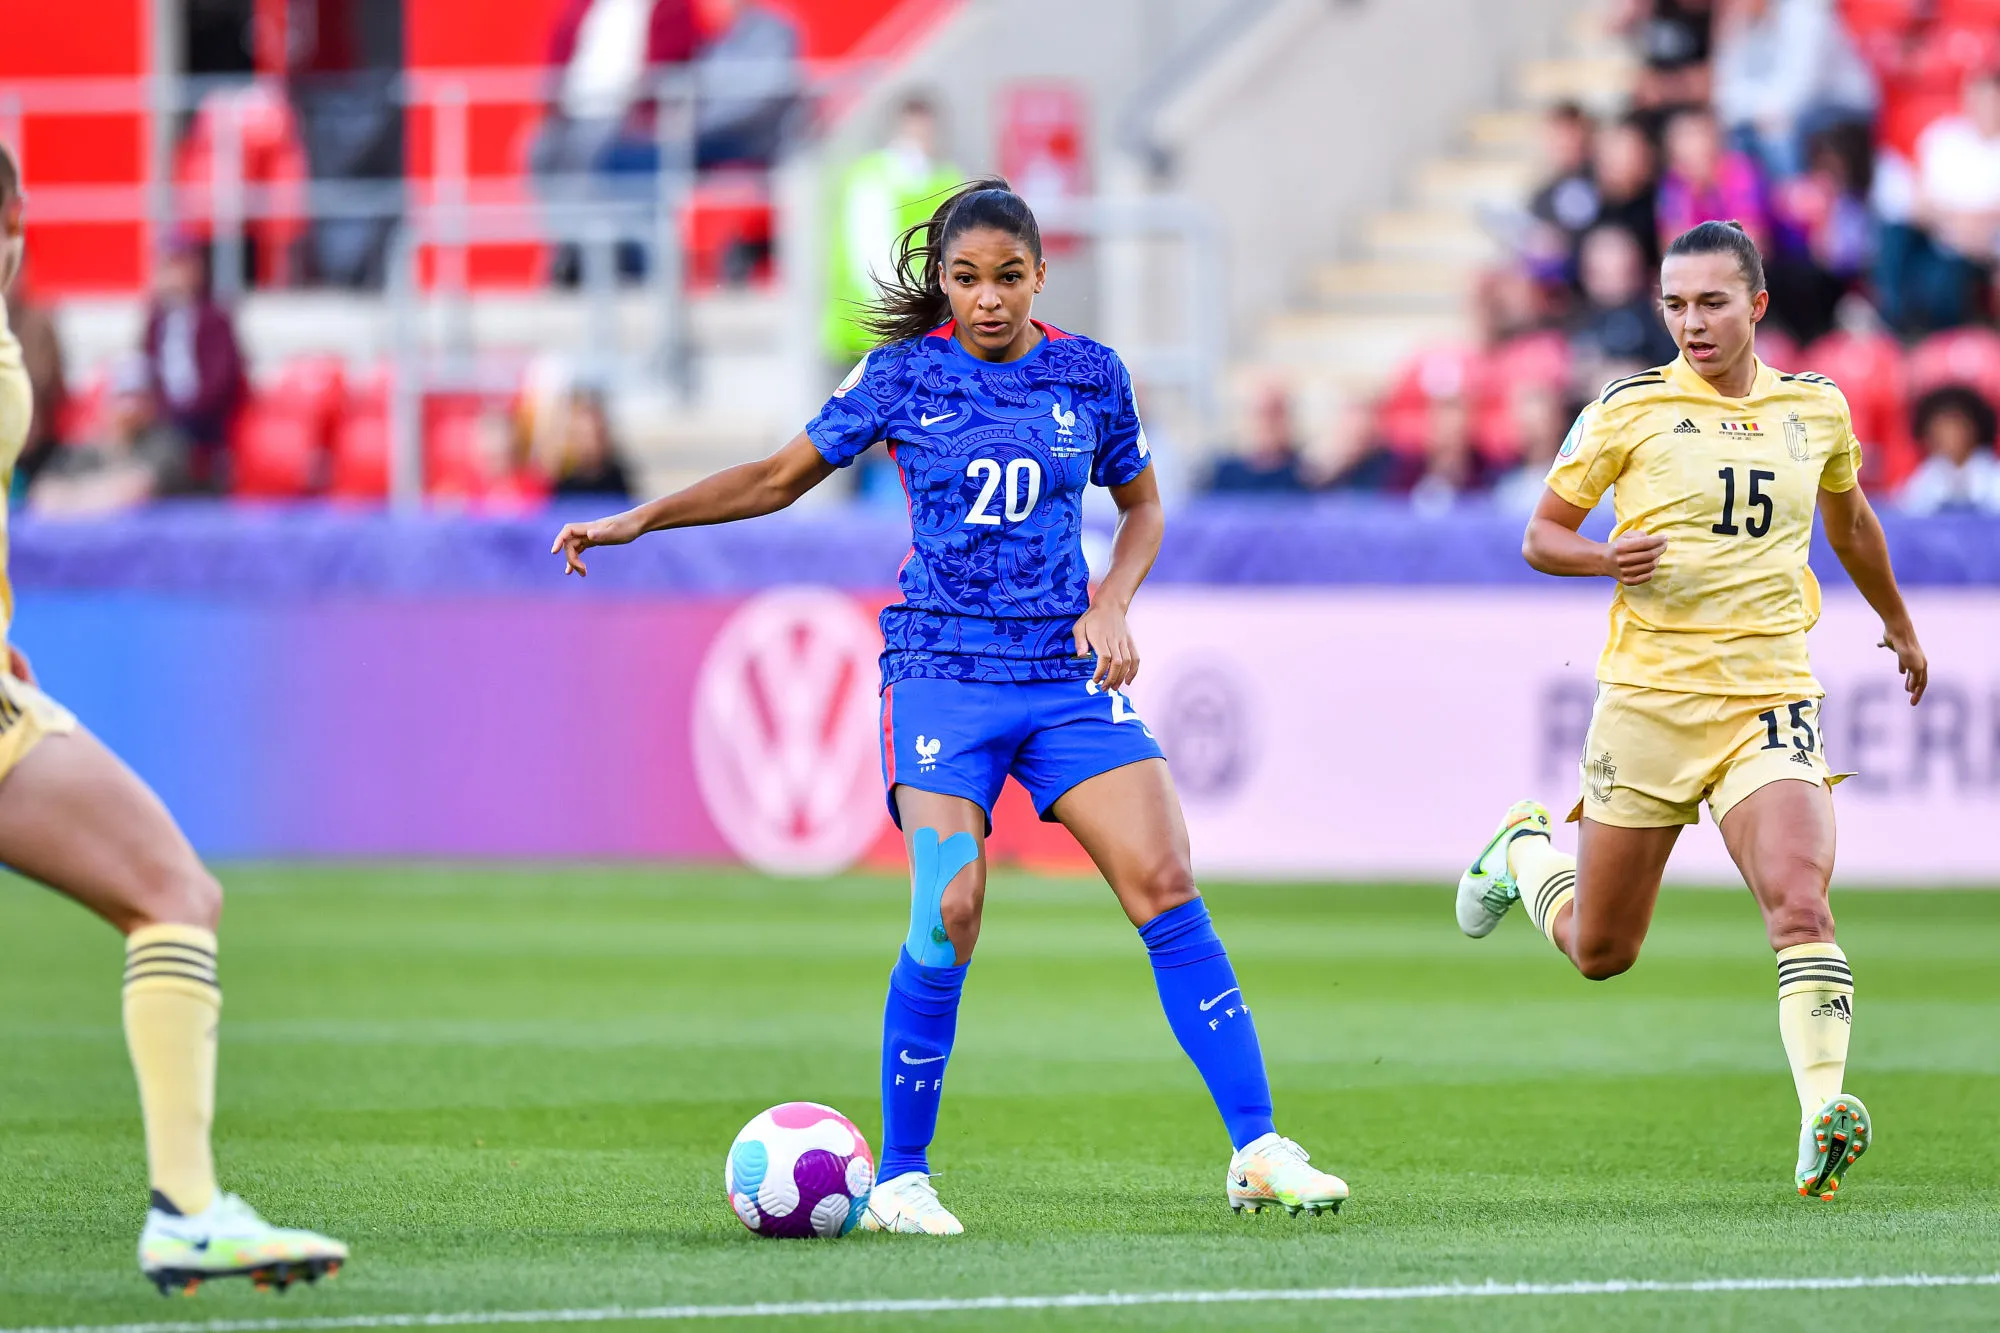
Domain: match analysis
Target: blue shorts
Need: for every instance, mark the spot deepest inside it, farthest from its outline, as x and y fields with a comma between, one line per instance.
x=963, y=737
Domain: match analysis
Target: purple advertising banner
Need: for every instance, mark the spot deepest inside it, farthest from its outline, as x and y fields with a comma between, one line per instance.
x=1319, y=733
x=1354, y=733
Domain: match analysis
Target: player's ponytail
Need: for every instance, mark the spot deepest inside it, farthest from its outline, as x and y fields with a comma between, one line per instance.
x=1723, y=238
x=912, y=299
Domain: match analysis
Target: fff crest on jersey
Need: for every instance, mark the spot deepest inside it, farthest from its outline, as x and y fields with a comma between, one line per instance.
x=1797, y=444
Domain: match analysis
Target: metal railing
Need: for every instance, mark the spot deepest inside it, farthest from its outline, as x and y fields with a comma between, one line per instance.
x=451, y=211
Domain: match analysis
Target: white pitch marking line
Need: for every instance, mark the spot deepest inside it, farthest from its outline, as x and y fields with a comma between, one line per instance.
x=1078, y=1301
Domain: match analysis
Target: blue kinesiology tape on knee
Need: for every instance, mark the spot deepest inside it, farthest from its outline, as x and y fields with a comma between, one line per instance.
x=933, y=866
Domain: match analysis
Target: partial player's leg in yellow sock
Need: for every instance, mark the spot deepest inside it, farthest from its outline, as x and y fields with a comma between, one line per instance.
x=1815, y=1017
x=172, y=1005
x=1547, y=880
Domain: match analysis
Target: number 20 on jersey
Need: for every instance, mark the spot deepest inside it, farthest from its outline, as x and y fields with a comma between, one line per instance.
x=1022, y=480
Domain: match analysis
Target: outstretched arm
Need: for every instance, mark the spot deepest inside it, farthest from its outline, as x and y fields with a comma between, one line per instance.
x=748, y=490
x=1102, y=629
x=1856, y=537
x=1554, y=546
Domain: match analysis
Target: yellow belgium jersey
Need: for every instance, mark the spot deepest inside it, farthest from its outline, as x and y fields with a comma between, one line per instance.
x=1732, y=484
x=17, y=401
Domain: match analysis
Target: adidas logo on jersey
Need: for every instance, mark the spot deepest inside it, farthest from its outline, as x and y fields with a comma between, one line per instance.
x=1687, y=427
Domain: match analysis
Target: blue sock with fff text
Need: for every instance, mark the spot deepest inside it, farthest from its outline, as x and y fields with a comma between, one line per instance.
x=917, y=1031
x=922, y=1014
x=1205, y=1008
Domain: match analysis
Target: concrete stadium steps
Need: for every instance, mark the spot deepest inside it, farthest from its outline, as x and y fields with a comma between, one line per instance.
x=1406, y=277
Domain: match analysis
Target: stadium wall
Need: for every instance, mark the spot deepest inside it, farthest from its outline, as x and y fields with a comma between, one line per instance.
x=1315, y=732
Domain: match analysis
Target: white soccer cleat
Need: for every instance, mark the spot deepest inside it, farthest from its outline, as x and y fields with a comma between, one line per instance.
x=908, y=1205
x=1487, y=890
x=178, y=1253
x=1274, y=1172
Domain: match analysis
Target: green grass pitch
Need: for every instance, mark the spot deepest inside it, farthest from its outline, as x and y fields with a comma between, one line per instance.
x=512, y=1088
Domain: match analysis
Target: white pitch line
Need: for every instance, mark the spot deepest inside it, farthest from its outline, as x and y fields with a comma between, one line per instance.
x=1078, y=1301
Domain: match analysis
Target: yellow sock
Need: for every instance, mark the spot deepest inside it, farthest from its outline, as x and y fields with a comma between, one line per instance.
x=172, y=1005
x=1815, y=1017
x=1547, y=879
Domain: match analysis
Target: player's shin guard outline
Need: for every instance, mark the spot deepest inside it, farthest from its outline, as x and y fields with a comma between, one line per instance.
x=933, y=866
x=1815, y=1018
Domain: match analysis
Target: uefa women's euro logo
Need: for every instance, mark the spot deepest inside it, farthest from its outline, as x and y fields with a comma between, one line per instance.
x=785, y=732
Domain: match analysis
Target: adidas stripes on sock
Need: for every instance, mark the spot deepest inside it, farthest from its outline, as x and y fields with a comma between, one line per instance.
x=1547, y=879
x=1815, y=1018
x=172, y=1006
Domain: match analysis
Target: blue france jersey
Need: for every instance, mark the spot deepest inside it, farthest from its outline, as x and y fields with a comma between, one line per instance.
x=995, y=458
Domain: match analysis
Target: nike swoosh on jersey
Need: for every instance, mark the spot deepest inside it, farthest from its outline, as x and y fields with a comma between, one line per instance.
x=1207, y=1005
x=927, y=1060
x=928, y=421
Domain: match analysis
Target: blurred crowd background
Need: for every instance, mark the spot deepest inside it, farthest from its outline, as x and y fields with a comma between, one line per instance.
x=485, y=255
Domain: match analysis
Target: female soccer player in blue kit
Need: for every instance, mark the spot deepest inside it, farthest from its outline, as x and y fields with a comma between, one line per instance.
x=1000, y=659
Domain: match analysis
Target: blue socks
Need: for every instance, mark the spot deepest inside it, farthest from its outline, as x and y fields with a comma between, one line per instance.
x=917, y=1031
x=922, y=1014
x=1205, y=1008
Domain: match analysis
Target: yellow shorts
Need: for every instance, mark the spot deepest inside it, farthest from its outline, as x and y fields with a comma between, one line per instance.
x=27, y=715
x=1653, y=756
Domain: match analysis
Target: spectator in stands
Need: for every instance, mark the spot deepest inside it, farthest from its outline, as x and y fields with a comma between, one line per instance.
x=34, y=327
x=587, y=461
x=1955, y=427
x=1566, y=203
x=1707, y=181
x=602, y=119
x=1449, y=467
x=1540, y=422
x=605, y=50
x=1617, y=329
x=1626, y=173
x=881, y=195
x=1674, y=39
x=1826, y=234
x=1351, y=458
x=747, y=77
x=1933, y=266
x=1783, y=70
x=138, y=457
x=195, y=362
x=1270, y=464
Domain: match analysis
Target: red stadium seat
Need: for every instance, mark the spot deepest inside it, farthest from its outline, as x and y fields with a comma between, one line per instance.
x=1869, y=372
x=272, y=158
x=276, y=451
x=1958, y=356
x=360, y=462
x=728, y=214
x=1403, y=414
x=1779, y=351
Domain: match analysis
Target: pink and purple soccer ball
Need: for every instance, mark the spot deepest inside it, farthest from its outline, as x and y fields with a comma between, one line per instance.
x=798, y=1170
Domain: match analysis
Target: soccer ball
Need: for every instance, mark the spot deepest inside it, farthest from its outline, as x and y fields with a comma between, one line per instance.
x=800, y=1169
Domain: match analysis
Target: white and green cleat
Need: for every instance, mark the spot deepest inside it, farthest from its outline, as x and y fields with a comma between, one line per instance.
x=1487, y=890
x=909, y=1205
x=1830, y=1143
x=178, y=1253
x=1274, y=1172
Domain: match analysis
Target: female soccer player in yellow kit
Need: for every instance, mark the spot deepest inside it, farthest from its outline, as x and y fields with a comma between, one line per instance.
x=1719, y=464
x=78, y=820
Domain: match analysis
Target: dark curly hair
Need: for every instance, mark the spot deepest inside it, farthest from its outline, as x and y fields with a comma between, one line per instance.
x=912, y=298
